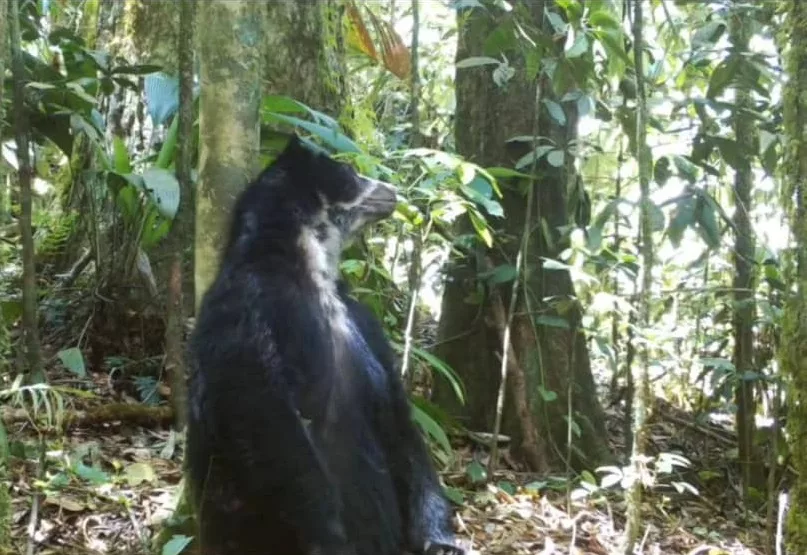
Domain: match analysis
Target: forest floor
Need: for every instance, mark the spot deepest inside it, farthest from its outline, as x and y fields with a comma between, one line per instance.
x=107, y=484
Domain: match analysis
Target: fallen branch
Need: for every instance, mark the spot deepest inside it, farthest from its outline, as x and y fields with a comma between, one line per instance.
x=140, y=415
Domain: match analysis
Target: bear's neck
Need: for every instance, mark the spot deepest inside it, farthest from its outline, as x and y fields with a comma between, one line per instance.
x=322, y=265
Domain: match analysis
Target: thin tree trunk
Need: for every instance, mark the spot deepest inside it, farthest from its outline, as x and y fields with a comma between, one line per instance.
x=30, y=320
x=744, y=306
x=642, y=393
x=181, y=230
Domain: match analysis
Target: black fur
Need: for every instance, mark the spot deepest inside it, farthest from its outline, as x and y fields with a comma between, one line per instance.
x=300, y=439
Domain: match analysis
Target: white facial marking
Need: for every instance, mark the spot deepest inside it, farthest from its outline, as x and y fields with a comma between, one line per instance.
x=322, y=259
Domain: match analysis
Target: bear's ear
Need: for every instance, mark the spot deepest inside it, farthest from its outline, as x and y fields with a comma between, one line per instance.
x=295, y=149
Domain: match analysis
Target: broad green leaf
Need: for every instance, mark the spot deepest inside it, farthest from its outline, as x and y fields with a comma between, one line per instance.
x=476, y=472
x=709, y=33
x=683, y=216
x=176, y=544
x=546, y=395
x=337, y=140
x=481, y=227
x=578, y=47
x=163, y=187
x=556, y=21
x=475, y=61
x=556, y=111
x=73, y=360
x=139, y=472
x=529, y=158
x=685, y=168
x=444, y=369
x=656, y=216
x=707, y=224
x=121, y=156
x=501, y=274
x=604, y=19
x=661, y=170
x=584, y=105
x=722, y=76
x=555, y=158
x=162, y=96
x=431, y=427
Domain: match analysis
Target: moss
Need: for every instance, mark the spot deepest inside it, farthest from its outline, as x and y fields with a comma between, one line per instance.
x=793, y=353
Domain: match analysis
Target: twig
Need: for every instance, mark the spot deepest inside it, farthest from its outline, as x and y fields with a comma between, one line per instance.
x=512, y=371
x=35, y=502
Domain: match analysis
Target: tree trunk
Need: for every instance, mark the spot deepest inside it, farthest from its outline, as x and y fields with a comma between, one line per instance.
x=752, y=471
x=793, y=352
x=555, y=359
x=30, y=315
x=641, y=392
x=305, y=53
x=229, y=123
x=182, y=226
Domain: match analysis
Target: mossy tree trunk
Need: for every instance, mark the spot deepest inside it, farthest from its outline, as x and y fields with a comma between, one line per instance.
x=793, y=352
x=229, y=122
x=304, y=53
x=555, y=359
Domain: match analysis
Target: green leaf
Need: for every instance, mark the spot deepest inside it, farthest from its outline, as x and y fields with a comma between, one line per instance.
x=529, y=158
x=604, y=19
x=499, y=172
x=431, y=427
x=552, y=321
x=661, y=170
x=578, y=47
x=163, y=188
x=501, y=274
x=444, y=369
x=162, y=96
x=475, y=61
x=707, y=225
x=556, y=111
x=176, y=544
x=555, y=158
x=481, y=227
x=121, y=156
x=476, y=472
x=139, y=472
x=546, y=395
x=337, y=140
x=709, y=33
x=685, y=168
x=683, y=216
x=722, y=76
x=73, y=360
x=656, y=216
x=556, y=21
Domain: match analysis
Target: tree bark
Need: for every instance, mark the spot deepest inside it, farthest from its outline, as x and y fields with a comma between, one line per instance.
x=793, y=351
x=304, y=53
x=182, y=226
x=30, y=316
x=752, y=471
x=229, y=123
x=555, y=359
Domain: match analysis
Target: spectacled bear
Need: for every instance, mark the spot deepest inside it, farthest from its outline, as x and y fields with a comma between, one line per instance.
x=299, y=437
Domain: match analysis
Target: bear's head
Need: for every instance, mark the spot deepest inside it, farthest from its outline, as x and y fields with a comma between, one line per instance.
x=310, y=204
